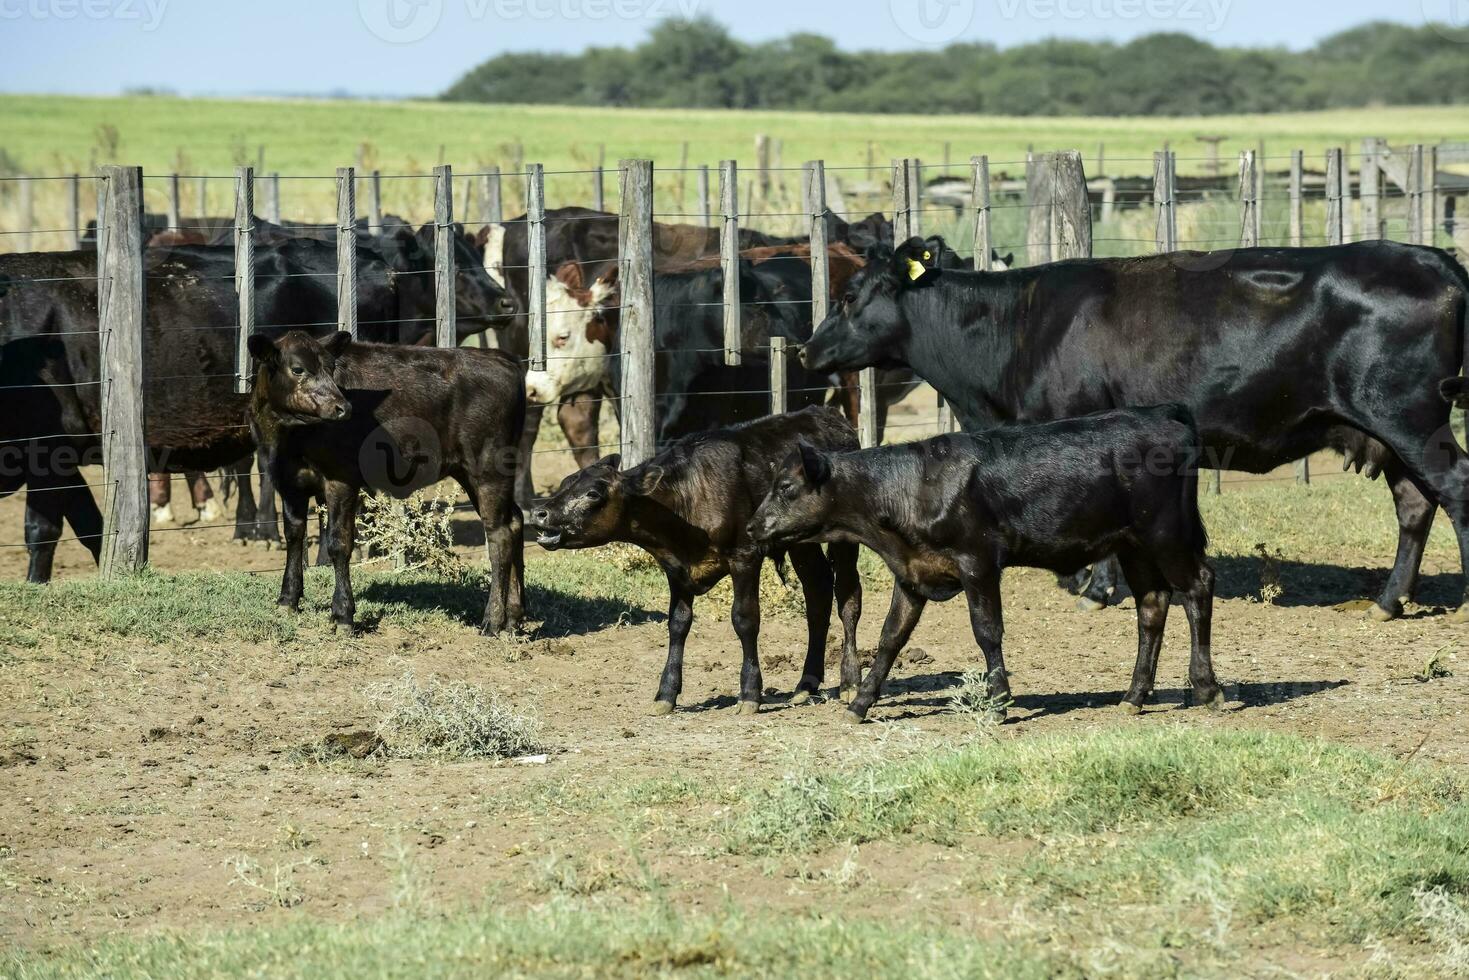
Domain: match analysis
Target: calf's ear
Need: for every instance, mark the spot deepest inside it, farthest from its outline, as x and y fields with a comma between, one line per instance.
x=814, y=464
x=613, y=462
x=263, y=349
x=337, y=342
x=915, y=263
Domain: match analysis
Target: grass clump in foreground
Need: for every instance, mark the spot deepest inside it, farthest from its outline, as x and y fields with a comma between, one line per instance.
x=559, y=939
x=1337, y=839
x=449, y=720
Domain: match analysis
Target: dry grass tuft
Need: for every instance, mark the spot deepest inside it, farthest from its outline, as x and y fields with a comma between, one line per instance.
x=450, y=720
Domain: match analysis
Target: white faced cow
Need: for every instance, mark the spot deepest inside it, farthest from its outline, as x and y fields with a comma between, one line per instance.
x=575, y=347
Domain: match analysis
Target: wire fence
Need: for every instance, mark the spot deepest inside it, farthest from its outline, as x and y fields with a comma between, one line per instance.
x=718, y=361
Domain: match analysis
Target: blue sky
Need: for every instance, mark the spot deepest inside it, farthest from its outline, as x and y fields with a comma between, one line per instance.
x=409, y=47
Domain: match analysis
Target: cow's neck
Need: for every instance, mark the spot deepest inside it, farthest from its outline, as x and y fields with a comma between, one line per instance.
x=955, y=343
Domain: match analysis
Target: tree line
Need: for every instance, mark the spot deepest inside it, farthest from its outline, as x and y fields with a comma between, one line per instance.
x=697, y=64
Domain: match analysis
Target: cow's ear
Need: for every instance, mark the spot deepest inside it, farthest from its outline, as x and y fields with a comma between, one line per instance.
x=613, y=462
x=569, y=275
x=482, y=237
x=263, y=349
x=649, y=480
x=814, y=464
x=915, y=263
x=336, y=343
x=1009, y=260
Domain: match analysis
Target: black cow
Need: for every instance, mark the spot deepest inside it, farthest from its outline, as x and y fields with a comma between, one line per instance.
x=948, y=515
x=49, y=407
x=1278, y=353
x=338, y=417
x=688, y=507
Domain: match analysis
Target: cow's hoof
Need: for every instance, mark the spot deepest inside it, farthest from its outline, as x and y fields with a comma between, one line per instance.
x=749, y=708
x=161, y=515
x=1087, y=604
x=847, y=695
x=1128, y=708
x=1377, y=614
x=852, y=718
x=209, y=513
x=344, y=626
x=801, y=697
x=1460, y=615
x=289, y=605
x=661, y=708
x=1214, y=702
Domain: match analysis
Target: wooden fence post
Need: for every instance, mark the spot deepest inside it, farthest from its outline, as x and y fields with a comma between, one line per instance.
x=729, y=257
x=1371, y=180
x=813, y=202
x=635, y=257
x=347, y=250
x=704, y=195
x=125, y=509
x=984, y=244
x=1164, y=203
x=535, y=237
x=914, y=170
x=74, y=211
x=493, y=196
x=1248, y=203
x=1297, y=198
x=273, y=198
x=1415, y=194
x=446, y=330
x=174, y=211
x=599, y=189
x=201, y=193
x=244, y=272
x=1430, y=195
x=375, y=202
x=27, y=213
x=778, y=398
x=1335, y=230
x=1071, y=211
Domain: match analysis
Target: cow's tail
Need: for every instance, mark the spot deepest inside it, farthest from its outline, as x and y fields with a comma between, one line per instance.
x=778, y=556
x=1189, y=485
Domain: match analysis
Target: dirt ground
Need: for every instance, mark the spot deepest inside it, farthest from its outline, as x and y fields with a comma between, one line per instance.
x=146, y=787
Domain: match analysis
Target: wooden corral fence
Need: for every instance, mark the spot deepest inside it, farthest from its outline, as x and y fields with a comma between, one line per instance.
x=1061, y=207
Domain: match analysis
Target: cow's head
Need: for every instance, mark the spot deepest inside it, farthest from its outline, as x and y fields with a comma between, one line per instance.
x=295, y=377
x=868, y=326
x=480, y=302
x=588, y=509
x=800, y=502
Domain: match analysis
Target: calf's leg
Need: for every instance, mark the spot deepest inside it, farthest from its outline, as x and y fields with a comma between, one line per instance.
x=745, y=615
x=1197, y=585
x=342, y=502
x=817, y=588
x=42, y=531
x=1151, y=591
x=295, y=505
x=1102, y=587
x=504, y=608
x=680, y=619
x=843, y=558
x=580, y=415
x=903, y=616
x=987, y=621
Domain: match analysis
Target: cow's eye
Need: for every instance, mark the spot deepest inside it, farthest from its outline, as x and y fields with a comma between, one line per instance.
x=298, y=370
x=849, y=299
x=594, y=494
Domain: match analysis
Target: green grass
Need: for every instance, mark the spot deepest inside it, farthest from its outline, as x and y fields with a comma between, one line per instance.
x=1341, y=841
x=559, y=939
x=309, y=139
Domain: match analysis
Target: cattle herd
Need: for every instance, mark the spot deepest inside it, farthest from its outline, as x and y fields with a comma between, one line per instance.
x=1091, y=392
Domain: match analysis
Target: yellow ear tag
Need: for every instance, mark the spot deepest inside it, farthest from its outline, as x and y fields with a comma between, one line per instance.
x=915, y=270
x=927, y=255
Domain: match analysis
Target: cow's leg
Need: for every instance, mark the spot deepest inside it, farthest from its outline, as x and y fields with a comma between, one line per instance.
x=843, y=558
x=323, y=536
x=205, y=508
x=982, y=590
x=504, y=549
x=902, y=617
x=680, y=619
x=42, y=532
x=266, y=519
x=745, y=615
x=525, y=487
x=295, y=506
x=160, y=496
x=580, y=417
x=1191, y=576
x=1415, y=519
x=342, y=502
x=1102, y=588
x=246, y=513
x=1150, y=590
x=817, y=588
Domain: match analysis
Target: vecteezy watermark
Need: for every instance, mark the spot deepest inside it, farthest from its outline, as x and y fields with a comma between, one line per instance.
x=148, y=13
x=932, y=21
x=407, y=21
x=1450, y=18
x=1209, y=15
